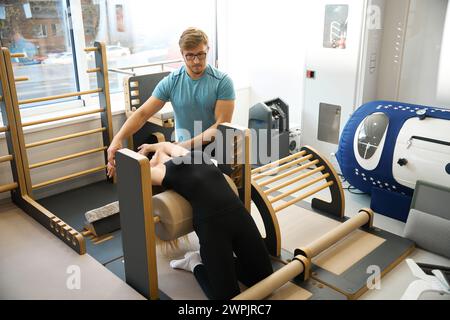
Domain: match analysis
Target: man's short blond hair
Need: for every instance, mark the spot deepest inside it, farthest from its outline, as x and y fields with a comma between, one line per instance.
x=192, y=38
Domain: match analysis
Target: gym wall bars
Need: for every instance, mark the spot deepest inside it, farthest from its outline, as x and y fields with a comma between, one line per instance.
x=16, y=142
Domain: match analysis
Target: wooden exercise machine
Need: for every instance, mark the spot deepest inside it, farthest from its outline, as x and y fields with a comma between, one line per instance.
x=297, y=169
x=300, y=266
x=144, y=214
x=137, y=90
x=306, y=168
x=307, y=173
x=26, y=199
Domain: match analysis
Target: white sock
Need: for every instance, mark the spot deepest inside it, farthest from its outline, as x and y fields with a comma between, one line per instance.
x=190, y=261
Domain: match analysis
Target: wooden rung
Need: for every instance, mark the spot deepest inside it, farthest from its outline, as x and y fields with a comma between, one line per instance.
x=93, y=70
x=18, y=55
x=71, y=176
x=279, y=162
x=4, y=129
x=21, y=79
x=89, y=49
x=86, y=233
x=32, y=123
x=289, y=173
x=299, y=188
x=308, y=194
x=1, y=98
x=72, y=156
x=6, y=158
x=291, y=182
x=8, y=187
x=99, y=240
x=70, y=136
x=284, y=167
x=61, y=96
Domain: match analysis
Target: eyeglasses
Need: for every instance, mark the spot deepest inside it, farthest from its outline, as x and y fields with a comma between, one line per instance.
x=191, y=57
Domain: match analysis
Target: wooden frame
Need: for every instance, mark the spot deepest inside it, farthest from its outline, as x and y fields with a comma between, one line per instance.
x=301, y=263
x=25, y=199
x=136, y=218
x=264, y=202
x=10, y=133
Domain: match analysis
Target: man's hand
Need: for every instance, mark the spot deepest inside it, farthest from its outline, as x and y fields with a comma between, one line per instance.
x=113, y=148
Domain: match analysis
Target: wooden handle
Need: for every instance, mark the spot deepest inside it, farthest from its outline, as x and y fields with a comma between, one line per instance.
x=273, y=282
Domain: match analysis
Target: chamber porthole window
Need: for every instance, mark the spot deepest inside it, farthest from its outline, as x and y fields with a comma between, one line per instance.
x=371, y=134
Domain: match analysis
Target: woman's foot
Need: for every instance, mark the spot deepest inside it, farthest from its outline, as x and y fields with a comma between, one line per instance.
x=190, y=261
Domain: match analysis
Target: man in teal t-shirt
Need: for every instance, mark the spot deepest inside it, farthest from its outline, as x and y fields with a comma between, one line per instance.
x=195, y=99
x=202, y=98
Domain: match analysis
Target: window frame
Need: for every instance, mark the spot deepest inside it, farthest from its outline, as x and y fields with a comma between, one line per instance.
x=72, y=13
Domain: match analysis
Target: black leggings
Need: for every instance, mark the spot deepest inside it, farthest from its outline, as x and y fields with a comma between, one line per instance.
x=219, y=237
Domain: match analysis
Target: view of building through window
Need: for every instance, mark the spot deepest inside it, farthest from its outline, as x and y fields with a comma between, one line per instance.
x=136, y=32
x=38, y=29
x=141, y=32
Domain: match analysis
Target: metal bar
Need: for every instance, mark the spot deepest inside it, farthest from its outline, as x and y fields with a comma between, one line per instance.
x=71, y=176
x=89, y=49
x=441, y=142
x=308, y=194
x=284, y=167
x=70, y=136
x=21, y=79
x=4, y=129
x=72, y=156
x=279, y=162
x=94, y=70
x=18, y=55
x=289, y=173
x=32, y=123
x=150, y=64
x=8, y=187
x=122, y=71
x=299, y=188
x=291, y=182
x=6, y=158
x=61, y=96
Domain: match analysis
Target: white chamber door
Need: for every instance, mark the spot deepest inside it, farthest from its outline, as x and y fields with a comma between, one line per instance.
x=332, y=67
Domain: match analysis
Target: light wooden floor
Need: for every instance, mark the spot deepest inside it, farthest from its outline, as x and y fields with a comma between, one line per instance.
x=34, y=263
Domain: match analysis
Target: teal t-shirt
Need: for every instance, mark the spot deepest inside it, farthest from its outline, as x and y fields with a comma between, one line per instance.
x=194, y=100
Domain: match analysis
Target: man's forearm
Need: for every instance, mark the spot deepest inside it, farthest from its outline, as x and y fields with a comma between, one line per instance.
x=139, y=117
x=131, y=126
x=205, y=137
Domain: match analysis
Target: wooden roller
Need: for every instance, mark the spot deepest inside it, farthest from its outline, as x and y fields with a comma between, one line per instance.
x=276, y=280
x=303, y=258
x=175, y=214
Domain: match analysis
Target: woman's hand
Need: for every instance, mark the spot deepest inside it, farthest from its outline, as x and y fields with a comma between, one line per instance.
x=113, y=148
x=145, y=149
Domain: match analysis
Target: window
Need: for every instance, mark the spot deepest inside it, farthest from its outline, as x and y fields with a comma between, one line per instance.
x=141, y=32
x=136, y=32
x=369, y=140
x=48, y=61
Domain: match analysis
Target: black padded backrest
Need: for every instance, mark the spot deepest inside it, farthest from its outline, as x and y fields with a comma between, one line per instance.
x=432, y=199
x=145, y=85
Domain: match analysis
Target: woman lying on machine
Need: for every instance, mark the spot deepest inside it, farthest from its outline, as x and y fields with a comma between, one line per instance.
x=231, y=247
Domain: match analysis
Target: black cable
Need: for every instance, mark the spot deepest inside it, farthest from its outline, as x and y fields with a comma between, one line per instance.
x=351, y=189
